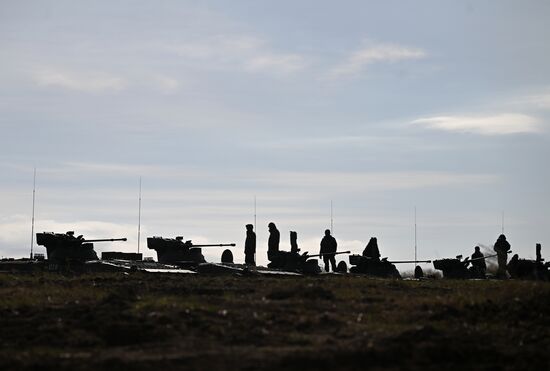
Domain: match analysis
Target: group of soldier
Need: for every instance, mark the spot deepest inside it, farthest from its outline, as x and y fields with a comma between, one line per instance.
x=328, y=248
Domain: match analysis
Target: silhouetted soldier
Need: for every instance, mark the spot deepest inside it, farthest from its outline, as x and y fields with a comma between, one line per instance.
x=250, y=246
x=273, y=241
x=513, y=266
x=537, y=251
x=294, y=242
x=328, y=248
x=371, y=250
x=478, y=263
x=502, y=247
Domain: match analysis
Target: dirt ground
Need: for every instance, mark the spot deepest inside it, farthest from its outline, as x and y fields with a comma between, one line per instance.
x=145, y=321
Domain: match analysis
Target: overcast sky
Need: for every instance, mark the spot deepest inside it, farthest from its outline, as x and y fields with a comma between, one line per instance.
x=379, y=106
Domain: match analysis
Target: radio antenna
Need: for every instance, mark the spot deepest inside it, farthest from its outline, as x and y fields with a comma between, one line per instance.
x=254, y=212
x=33, y=202
x=502, y=222
x=331, y=219
x=139, y=216
x=415, y=241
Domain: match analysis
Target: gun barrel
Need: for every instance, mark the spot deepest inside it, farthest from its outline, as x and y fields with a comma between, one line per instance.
x=106, y=240
x=409, y=261
x=486, y=257
x=215, y=245
x=330, y=253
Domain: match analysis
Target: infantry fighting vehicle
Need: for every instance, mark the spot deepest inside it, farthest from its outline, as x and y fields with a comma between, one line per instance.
x=63, y=247
x=179, y=252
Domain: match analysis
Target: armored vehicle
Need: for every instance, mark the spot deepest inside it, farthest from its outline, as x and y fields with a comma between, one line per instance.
x=458, y=268
x=453, y=268
x=373, y=267
x=292, y=261
x=62, y=247
x=529, y=269
x=176, y=251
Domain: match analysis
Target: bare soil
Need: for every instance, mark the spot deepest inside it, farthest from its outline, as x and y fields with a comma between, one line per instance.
x=145, y=321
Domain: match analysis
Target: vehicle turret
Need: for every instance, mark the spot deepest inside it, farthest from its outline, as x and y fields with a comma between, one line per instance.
x=176, y=250
x=61, y=247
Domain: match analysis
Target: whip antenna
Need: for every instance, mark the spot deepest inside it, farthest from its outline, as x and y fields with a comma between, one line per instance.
x=139, y=216
x=33, y=201
x=331, y=220
x=415, y=246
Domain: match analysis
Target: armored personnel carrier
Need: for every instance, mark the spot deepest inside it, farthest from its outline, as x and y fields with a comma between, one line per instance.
x=63, y=247
x=177, y=251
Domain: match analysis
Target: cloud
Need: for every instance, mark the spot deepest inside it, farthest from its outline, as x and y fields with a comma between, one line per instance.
x=166, y=84
x=371, y=54
x=541, y=101
x=89, y=83
x=250, y=53
x=217, y=47
x=242, y=180
x=281, y=63
x=373, y=181
x=501, y=124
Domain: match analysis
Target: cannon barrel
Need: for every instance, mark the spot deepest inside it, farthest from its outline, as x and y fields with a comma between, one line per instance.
x=486, y=257
x=105, y=240
x=214, y=245
x=330, y=253
x=399, y=261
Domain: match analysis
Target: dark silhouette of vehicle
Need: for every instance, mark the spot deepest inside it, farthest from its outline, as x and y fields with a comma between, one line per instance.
x=529, y=269
x=458, y=269
x=453, y=267
x=373, y=267
x=370, y=263
x=294, y=262
x=179, y=252
x=64, y=247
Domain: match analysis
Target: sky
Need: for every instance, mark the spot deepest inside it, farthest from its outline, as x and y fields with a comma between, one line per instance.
x=379, y=107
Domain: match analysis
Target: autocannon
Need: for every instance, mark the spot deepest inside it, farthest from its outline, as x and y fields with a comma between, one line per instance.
x=177, y=251
x=61, y=247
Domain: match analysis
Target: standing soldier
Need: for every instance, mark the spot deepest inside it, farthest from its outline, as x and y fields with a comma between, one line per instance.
x=502, y=247
x=250, y=246
x=273, y=242
x=294, y=242
x=328, y=248
x=478, y=263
